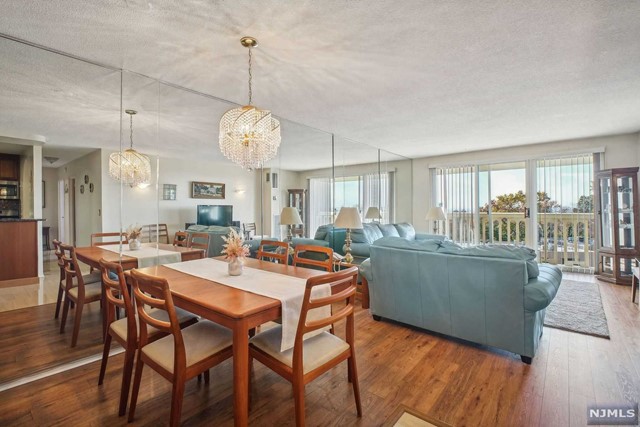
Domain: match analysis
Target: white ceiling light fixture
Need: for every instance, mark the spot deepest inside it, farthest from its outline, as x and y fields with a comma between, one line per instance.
x=249, y=136
x=129, y=166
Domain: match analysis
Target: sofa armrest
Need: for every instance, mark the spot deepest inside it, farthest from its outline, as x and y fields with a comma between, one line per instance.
x=366, y=270
x=304, y=241
x=361, y=250
x=539, y=292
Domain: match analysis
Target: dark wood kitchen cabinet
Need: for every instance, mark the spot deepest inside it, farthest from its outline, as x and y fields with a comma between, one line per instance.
x=9, y=167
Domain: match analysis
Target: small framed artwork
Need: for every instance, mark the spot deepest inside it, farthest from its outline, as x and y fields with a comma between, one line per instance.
x=91, y=188
x=82, y=189
x=169, y=191
x=86, y=179
x=207, y=190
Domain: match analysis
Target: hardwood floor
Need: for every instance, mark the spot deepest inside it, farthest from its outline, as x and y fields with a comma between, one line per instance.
x=456, y=382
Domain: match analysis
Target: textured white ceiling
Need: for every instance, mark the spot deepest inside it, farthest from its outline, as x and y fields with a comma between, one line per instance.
x=417, y=77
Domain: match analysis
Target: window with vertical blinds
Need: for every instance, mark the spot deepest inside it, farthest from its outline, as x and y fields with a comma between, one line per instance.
x=457, y=195
x=566, y=219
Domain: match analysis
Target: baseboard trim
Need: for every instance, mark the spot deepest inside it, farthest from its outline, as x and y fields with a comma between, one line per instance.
x=20, y=282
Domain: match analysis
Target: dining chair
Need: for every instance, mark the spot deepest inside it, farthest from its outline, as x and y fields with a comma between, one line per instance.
x=61, y=279
x=181, y=238
x=125, y=330
x=247, y=229
x=322, y=257
x=199, y=241
x=101, y=239
x=79, y=289
x=314, y=356
x=154, y=232
x=182, y=354
x=274, y=251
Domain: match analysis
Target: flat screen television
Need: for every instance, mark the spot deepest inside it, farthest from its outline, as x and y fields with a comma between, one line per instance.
x=215, y=215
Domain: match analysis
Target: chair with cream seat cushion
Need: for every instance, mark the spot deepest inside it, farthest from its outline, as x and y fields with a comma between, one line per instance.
x=179, y=356
x=125, y=330
x=78, y=289
x=316, y=355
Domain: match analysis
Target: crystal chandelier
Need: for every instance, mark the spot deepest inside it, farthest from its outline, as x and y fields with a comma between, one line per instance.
x=249, y=136
x=129, y=166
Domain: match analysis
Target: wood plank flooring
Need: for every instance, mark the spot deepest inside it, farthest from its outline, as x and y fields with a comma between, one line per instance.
x=456, y=382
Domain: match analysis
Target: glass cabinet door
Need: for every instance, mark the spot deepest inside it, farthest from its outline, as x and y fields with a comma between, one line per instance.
x=626, y=226
x=606, y=229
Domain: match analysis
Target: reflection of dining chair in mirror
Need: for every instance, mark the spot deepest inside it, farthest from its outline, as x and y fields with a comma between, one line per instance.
x=316, y=355
x=183, y=354
x=79, y=289
x=199, y=241
x=248, y=228
x=113, y=238
x=61, y=280
x=125, y=330
x=274, y=251
x=155, y=233
x=318, y=257
x=181, y=238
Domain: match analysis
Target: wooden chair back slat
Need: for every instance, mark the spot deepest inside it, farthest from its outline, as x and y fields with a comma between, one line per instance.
x=154, y=291
x=181, y=238
x=281, y=253
x=117, y=296
x=150, y=231
x=199, y=241
x=326, y=264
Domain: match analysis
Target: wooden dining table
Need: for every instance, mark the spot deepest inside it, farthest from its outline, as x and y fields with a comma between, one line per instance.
x=233, y=308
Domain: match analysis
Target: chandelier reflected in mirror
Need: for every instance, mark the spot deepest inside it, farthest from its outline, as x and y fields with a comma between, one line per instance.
x=129, y=166
x=249, y=136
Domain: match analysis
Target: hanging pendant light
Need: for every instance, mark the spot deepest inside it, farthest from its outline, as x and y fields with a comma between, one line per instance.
x=249, y=136
x=129, y=166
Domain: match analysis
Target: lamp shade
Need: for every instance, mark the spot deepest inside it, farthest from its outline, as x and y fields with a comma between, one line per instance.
x=373, y=213
x=290, y=216
x=348, y=218
x=436, y=214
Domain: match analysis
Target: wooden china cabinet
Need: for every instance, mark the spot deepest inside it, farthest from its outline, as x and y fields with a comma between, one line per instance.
x=617, y=209
x=298, y=199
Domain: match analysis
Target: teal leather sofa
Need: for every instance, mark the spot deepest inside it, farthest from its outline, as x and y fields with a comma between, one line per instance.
x=490, y=295
x=363, y=238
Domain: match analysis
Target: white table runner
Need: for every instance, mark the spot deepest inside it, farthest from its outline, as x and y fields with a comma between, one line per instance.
x=288, y=289
x=148, y=255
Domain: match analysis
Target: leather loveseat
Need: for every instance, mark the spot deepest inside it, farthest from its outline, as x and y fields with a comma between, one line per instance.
x=490, y=295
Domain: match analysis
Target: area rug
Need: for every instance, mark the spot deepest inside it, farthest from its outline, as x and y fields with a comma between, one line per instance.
x=578, y=308
x=404, y=416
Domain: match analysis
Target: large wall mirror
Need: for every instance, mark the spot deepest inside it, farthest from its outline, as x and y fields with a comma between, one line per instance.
x=66, y=119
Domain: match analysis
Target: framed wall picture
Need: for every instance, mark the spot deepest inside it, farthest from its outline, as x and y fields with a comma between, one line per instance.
x=207, y=190
x=169, y=191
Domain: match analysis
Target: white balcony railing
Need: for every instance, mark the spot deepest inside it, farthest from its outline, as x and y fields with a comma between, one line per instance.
x=563, y=238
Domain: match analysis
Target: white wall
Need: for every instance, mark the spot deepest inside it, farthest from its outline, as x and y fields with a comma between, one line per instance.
x=145, y=206
x=619, y=151
x=50, y=211
x=88, y=204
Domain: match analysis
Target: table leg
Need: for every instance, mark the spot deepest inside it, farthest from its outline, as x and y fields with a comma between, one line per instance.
x=365, y=293
x=634, y=287
x=241, y=374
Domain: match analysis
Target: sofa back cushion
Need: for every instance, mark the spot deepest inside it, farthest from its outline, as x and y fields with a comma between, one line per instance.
x=414, y=245
x=406, y=230
x=495, y=251
x=388, y=230
x=369, y=233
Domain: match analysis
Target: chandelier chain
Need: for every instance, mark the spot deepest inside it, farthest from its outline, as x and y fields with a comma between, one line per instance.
x=131, y=132
x=250, y=77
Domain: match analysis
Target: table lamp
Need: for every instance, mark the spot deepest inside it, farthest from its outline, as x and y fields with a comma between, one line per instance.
x=348, y=218
x=436, y=214
x=373, y=213
x=289, y=217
